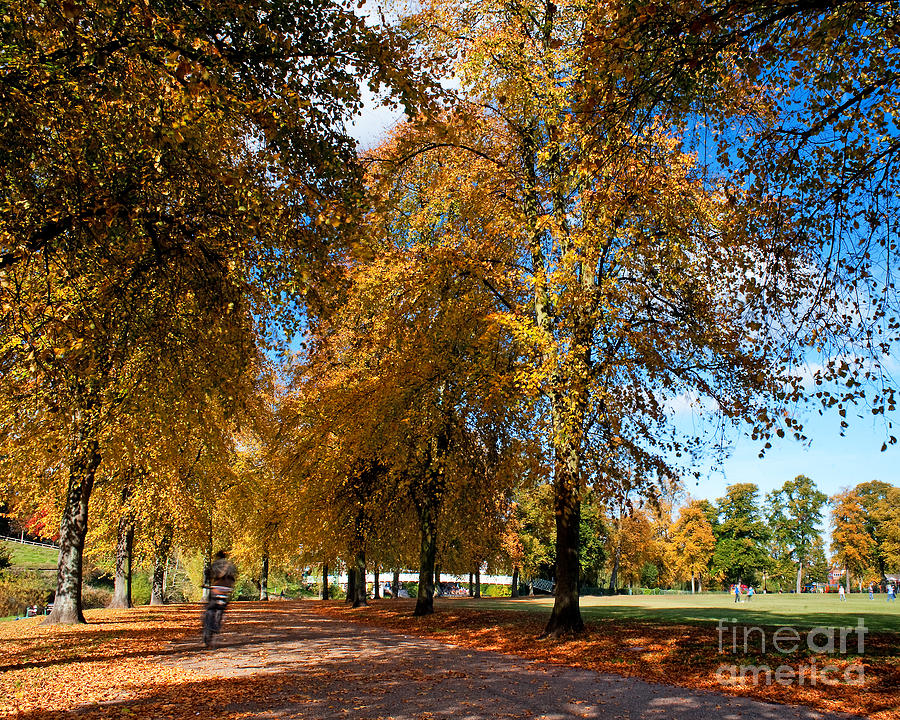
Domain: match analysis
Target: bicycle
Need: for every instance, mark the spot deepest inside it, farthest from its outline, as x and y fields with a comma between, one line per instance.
x=215, y=609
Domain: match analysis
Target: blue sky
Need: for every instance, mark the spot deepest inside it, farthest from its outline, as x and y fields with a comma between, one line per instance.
x=831, y=461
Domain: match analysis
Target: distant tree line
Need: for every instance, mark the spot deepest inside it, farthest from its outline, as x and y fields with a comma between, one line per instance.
x=776, y=542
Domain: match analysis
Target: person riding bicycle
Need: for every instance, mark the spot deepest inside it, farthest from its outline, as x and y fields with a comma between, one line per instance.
x=222, y=574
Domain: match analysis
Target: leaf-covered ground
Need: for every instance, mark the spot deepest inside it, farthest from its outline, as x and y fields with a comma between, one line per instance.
x=682, y=654
x=312, y=660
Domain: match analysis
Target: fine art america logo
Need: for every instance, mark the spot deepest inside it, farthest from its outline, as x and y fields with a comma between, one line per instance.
x=827, y=648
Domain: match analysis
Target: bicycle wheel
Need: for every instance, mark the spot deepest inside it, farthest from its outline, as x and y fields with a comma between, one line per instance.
x=209, y=626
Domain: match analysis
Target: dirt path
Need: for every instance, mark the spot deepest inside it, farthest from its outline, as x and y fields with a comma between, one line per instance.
x=321, y=667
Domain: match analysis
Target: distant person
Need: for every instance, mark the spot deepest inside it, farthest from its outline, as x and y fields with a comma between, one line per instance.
x=842, y=593
x=891, y=593
x=871, y=592
x=222, y=574
x=737, y=593
x=750, y=592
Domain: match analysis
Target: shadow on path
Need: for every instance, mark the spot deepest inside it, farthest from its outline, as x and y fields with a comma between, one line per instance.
x=298, y=664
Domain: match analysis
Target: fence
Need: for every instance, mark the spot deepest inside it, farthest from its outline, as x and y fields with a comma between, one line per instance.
x=23, y=541
x=546, y=586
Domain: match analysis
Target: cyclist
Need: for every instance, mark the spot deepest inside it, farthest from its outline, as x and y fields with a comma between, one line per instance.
x=222, y=574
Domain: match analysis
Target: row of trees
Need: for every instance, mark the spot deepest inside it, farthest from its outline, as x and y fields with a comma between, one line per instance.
x=771, y=542
x=164, y=164
x=624, y=226
x=620, y=206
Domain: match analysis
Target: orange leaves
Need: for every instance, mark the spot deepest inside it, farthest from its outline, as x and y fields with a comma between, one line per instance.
x=61, y=668
x=692, y=541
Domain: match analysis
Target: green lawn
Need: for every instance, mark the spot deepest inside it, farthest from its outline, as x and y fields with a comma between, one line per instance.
x=31, y=557
x=803, y=611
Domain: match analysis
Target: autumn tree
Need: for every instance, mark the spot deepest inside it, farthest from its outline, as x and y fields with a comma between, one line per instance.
x=345, y=504
x=851, y=544
x=537, y=536
x=116, y=527
x=260, y=505
x=406, y=374
x=163, y=165
x=513, y=549
x=626, y=251
x=692, y=543
x=881, y=501
x=634, y=545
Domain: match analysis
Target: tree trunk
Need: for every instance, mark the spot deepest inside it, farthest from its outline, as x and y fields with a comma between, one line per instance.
x=376, y=591
x=478, y=582
x=437, y=580
x=847, y=571
x=514, y=590
x=568, y=396
x=427, y=497
x=427, y=555
x=85, y=459
x=566, y=616
x=351, y=585
x=360, y=597
x=264, y=578
x=325, y=581
x=395, y=585
x=125, y=540
x=159, y=569
x=692, y=582
x=614, y=575
x=799, y=576
x=209, y=555
x=471, y=585
x=161, y=561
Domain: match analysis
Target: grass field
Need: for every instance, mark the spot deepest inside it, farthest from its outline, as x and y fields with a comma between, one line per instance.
x=803, y=611
x=30, y=557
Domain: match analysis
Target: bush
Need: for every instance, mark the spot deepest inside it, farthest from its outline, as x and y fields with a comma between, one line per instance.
x=245, y=589
x=494, y=590
x=20, y=589
x=180, y=593
x=300, y=590
x=140, y=589
x=589, y=590
x=94, y=597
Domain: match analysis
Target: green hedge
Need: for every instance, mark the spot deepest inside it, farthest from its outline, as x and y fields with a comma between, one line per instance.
x=140, y=589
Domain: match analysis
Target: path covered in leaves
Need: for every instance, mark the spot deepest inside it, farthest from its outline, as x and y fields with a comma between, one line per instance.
x=286, y=660
x=336, y=669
